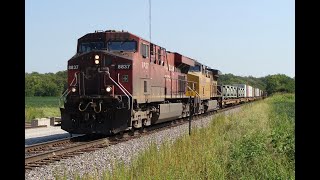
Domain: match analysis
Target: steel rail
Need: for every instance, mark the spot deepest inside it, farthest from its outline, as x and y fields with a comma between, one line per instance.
x=54, y=153
x=46, y=144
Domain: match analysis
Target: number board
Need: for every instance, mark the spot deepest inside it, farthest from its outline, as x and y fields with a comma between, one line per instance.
x=123, y=66
x=73, y=66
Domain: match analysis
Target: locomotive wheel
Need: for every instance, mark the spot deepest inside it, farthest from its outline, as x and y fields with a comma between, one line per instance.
x=119, y=135
x=142, y=130
x=131, y=132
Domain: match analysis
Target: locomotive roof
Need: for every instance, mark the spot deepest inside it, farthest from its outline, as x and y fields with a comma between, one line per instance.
x=215, y=71
x=107, y=31
x=114, y=31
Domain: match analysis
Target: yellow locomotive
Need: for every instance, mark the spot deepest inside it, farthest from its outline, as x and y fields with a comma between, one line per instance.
x=202, y=85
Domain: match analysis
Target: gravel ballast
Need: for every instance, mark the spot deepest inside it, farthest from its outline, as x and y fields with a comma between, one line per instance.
x=98, y=161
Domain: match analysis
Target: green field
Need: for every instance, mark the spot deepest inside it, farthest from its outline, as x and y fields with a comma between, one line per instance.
x=39, y=107
x=37, y=101
x=255, y=143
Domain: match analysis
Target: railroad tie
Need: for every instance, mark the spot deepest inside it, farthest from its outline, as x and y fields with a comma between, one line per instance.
x=68, y=155
x=41, y=162
x=78, y=152
x=33, y=165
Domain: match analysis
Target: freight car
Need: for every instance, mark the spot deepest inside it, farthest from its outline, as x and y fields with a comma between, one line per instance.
x=118, y=81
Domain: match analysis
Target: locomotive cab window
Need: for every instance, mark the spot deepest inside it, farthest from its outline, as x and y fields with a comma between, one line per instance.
x=144, y=50
x=151, y=49
x=122, y=46
x=159, y=56
x=89, y=46
x=195, y=68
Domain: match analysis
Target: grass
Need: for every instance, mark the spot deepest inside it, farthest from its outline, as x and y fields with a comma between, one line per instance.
x=254, y=143
x=39, y=107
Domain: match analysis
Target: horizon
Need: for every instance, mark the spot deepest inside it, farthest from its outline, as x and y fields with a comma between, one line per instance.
x=222, y=74
x=242, y=38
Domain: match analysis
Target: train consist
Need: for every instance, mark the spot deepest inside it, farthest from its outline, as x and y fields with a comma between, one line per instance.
x=119, y=81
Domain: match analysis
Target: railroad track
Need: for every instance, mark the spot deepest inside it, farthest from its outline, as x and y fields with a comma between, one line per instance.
x=44, y=153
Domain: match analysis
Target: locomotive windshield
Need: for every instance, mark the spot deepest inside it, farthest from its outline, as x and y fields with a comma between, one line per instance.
x=89, y=46
x=111, y=46
x=122, y=45
x=195, y=68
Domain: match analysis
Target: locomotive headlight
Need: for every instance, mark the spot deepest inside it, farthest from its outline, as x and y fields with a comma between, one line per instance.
x=96, y=56
x=108, y=89
x=73, y=89
x=96, y=61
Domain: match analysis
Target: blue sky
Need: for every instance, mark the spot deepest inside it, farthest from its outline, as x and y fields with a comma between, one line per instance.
x=247, y=37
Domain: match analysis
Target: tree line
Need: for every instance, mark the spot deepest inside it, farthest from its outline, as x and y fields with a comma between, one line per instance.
x=271, y=83
x=47, y=84
x=54, y=84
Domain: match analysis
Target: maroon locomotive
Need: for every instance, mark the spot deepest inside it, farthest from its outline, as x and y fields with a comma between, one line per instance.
x=119, y=81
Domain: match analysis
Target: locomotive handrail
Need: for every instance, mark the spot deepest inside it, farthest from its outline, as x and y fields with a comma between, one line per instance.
x=118, y=87
x=123, y=86
x=193, y=90
x=121, y=90
x=75, y=78
x=179, y=79
x=67, y=91
x=84, y=87
x=127, y=92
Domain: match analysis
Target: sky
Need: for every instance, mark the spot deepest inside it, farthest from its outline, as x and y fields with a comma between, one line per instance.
x=245, y=38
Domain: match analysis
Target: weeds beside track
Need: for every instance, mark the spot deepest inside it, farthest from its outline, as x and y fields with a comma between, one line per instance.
x=256, y=143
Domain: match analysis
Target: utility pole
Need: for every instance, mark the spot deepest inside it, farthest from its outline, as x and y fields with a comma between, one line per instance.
x=191, y=110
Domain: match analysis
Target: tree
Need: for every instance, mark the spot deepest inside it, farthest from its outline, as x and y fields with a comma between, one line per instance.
x=48, y=84
x=280, y=83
